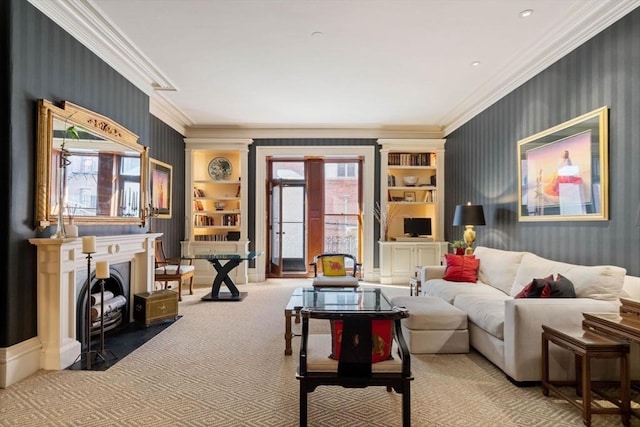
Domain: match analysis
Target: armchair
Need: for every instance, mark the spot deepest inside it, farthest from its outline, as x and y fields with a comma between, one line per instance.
x=172, y=269
x=331, y=269
x=355, y=368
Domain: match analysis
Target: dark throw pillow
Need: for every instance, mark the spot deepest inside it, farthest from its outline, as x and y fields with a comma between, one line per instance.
x=534, y=288
x=546, y=287
x=562, y=288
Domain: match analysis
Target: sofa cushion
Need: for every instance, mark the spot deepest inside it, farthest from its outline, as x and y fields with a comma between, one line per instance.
x=498, y=268
x=430, y=313
x=461, y=268
x=484, y=311
x=448, y=291
x=603, y=282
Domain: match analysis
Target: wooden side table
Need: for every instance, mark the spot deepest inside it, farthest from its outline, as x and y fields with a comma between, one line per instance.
x=587, y=345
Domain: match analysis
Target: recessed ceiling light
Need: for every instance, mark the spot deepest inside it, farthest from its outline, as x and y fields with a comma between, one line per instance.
x=316, y=34
x=475, y=63
x=526, y=13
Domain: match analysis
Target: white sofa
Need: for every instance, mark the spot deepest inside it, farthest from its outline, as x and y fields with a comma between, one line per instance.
x=506, y=330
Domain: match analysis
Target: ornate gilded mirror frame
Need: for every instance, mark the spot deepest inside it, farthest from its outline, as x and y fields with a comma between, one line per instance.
x=118, y=193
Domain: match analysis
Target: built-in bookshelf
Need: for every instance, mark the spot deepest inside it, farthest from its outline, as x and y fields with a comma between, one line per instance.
x=216, y=210
x=412, y=173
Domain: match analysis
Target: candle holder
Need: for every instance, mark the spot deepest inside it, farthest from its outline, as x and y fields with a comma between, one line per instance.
x=102, y=352
x=88, y=354
x=150, y=213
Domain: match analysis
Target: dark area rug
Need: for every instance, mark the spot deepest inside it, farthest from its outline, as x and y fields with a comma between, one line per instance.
x=119, y=345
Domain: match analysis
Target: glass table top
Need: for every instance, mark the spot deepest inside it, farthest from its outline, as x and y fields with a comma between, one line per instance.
x=344, y=300
x=226, y=256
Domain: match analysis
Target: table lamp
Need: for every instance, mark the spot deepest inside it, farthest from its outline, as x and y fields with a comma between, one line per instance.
x=469, y=215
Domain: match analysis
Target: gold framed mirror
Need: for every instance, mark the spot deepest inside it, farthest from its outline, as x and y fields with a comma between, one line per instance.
x=90, y=167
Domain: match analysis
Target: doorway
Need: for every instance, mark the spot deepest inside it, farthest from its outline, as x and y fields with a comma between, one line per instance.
x=314, y=206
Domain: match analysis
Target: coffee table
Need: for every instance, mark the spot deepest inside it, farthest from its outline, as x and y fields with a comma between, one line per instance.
x=292, y=309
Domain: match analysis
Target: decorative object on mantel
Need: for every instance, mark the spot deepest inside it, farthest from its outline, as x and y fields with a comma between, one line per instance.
x=469, y=215
x=150, y=213
x=71, y=131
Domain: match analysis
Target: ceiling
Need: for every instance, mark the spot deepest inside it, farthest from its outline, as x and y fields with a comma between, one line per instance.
x=403, y=65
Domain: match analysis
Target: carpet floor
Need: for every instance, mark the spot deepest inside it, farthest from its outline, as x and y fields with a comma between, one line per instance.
x=223, y=364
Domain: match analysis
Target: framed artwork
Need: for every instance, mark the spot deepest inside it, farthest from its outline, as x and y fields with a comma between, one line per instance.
x=563, y=171
x=409, y=196
x=160, y=182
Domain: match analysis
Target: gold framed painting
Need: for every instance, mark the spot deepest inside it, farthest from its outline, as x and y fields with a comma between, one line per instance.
x=160, y=183
x=563, y=171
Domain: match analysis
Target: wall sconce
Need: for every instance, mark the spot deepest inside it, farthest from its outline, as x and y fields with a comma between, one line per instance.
x=469, y=215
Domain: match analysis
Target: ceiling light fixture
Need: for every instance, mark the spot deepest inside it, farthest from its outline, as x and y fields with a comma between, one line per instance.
x=526, y=13
x=316, y=34
x=475, y=63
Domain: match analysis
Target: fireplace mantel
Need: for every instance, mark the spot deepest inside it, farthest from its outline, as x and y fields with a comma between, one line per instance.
x=60, y=262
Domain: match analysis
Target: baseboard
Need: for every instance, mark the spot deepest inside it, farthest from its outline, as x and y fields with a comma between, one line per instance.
x=19, y=361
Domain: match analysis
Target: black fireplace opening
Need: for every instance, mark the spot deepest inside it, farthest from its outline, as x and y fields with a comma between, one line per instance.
x=113, y=312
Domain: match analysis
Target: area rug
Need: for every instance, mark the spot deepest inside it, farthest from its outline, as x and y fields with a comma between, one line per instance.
x=117, y=346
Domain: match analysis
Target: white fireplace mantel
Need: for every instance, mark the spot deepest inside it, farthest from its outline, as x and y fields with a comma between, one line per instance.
x=60, y=262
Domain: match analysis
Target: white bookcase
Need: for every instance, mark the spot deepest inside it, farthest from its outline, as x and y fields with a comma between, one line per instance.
x=422, y=159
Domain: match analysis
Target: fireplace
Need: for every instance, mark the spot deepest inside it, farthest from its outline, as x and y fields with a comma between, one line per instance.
x=62, y=276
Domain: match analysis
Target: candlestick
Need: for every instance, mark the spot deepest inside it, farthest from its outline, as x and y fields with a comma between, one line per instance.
x=102, y=270
x=89, y=244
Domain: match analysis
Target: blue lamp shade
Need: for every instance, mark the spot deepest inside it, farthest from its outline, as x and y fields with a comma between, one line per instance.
x=469, y=215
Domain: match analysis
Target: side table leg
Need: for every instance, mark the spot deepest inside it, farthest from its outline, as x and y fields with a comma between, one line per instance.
x=545, y=365
x=287, y=332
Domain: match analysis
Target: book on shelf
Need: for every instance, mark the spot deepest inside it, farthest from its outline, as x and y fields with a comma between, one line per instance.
x=201, y=220
x=412, y=159
x=198, y=192
x=198, y=205
x=210, y=238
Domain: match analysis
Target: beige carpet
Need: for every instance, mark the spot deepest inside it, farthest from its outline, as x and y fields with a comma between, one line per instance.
x=223, y=364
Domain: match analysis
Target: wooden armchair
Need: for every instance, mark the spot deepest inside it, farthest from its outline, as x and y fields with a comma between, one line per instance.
x=355, y=368
x=173, y=269
x=331, y=269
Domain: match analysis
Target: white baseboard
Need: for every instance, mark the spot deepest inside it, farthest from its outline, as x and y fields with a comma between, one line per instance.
x=19, y=361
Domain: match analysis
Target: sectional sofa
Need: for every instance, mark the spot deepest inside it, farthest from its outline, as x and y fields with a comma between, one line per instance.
x=506, y=330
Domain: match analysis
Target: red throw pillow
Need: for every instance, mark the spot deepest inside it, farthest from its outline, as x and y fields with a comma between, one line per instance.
x=381, y=337
x=461, y=268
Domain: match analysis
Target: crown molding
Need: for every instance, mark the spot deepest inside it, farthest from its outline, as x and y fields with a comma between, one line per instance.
x=293, y=131
x=590, y=19
x=85, y=22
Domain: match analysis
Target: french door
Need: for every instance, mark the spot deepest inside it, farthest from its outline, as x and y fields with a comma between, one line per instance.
x=287, y=236
x=315, y=206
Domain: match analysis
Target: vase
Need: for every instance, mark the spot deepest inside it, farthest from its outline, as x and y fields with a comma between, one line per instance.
x=71, y=230
x=60, y=231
